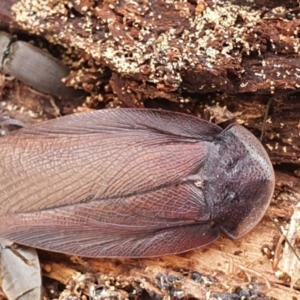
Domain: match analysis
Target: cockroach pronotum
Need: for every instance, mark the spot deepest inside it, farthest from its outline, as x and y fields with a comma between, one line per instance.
x=131, y=183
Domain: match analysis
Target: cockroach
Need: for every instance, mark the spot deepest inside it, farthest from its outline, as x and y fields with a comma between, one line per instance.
x=131, y=183
x=35, y=67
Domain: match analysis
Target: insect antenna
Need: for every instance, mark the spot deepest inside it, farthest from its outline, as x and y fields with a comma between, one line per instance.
x=284, y=235
x=267, y=109
x=265, y=118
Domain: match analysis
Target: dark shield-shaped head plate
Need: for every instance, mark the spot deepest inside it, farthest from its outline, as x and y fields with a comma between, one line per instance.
x=239, y=181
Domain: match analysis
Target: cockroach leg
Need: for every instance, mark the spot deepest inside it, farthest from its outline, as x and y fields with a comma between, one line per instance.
x=278, y=252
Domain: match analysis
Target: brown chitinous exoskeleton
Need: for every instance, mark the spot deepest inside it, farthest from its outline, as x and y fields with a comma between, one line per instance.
x=35, y=68
x=130, y=183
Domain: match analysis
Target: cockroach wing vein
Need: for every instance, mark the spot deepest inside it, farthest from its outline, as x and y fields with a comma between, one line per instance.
x=107, y=183
x=166, y=221
x=43, y=171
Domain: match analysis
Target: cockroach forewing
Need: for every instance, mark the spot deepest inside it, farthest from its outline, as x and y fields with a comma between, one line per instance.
x=176, y=221
x=176, y=125
x=52, y=171
x=101, y=154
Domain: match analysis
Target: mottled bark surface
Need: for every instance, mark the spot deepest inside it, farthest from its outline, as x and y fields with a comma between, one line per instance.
x=221, y=62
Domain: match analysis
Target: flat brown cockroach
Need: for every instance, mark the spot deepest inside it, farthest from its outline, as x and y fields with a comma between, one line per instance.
x=131, y=183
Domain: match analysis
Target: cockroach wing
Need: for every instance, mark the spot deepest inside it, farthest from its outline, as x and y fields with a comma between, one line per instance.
x=239, y=181
x=61, y=176
x=166, y=221
x=102, y=154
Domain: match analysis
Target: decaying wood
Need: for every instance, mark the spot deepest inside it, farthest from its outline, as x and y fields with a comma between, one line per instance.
x=199, y=57
x=173, y=46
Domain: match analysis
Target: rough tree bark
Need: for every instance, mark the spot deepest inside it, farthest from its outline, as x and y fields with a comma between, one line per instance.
x=218, y=60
